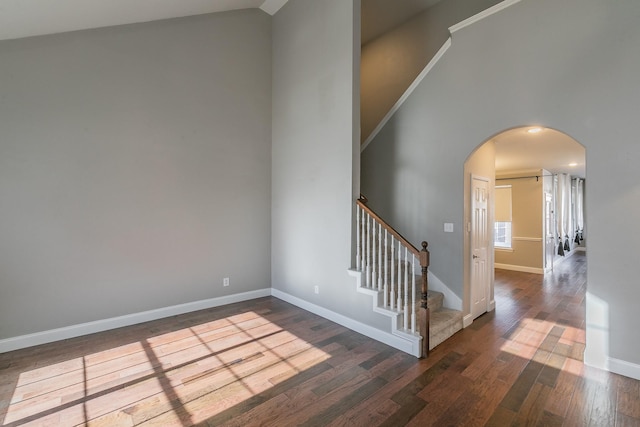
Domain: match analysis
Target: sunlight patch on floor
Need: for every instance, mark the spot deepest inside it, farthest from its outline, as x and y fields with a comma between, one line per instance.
x=183, y=376
x=529, y=336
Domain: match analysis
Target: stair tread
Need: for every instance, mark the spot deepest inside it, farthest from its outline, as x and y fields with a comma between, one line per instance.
x=445, y=315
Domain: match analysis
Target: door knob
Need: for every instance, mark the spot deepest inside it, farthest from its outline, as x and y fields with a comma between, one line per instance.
x=475, y=256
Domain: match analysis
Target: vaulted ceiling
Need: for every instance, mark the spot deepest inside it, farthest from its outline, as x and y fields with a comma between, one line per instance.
x=24, y=18
x=515, y=149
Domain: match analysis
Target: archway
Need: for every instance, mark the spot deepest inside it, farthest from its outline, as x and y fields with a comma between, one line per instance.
x=533, y=168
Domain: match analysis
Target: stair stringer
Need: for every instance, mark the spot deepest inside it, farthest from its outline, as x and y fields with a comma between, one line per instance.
x=395, y=316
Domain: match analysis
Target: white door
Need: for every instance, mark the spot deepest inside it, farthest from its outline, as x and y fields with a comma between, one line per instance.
x=480, y=244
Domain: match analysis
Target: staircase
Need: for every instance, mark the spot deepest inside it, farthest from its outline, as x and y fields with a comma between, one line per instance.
x=386, y=267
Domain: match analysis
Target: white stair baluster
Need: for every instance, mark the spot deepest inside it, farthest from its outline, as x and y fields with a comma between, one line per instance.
x=368, y=251
x=379, y=256
x=393, y=274
x=406, y=288
x=386, y=268
x=413, y=294
x=399, y=276
x=363, y=250
x=374, y=260
x=357, y=237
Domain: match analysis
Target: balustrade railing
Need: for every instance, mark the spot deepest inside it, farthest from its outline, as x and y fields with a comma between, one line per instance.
x=388, y=263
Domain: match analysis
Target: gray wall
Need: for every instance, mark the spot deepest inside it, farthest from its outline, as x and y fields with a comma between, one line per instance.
x=134, y=168
x=315, y=78
x=390, y=63
x=570, y=65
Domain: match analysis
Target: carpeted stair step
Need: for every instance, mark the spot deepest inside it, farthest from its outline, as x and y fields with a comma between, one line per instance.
x=443, y=324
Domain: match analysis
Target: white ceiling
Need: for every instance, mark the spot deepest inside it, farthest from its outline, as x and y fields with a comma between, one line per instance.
x=519, y=150
x=25, y=18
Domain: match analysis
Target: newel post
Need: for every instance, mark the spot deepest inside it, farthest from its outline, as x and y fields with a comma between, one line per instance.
x=424, y=315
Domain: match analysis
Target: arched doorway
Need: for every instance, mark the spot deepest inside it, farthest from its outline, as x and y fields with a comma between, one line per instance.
x=536, y=175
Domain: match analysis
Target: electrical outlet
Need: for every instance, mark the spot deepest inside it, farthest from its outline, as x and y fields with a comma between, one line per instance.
x=316, y=289
x=225, y=281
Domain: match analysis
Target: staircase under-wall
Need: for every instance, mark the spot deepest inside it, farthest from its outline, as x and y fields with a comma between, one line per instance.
x=443, y=323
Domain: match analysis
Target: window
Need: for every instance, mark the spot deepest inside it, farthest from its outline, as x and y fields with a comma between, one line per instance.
x=502, y=234
x=502, y=229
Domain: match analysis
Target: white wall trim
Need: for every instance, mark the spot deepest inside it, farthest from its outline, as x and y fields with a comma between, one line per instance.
x=527, y=239
x=24, y=341
x=623, y=367
x=479, y=16
x=521, y=268
x=364, y=329
x=272, y=6
x=407, y=93
x=467, y=320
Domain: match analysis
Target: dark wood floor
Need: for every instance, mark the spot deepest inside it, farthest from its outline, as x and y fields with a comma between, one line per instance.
x=268, y=363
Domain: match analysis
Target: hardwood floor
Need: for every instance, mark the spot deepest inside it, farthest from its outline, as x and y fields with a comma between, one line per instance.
x=266, y=362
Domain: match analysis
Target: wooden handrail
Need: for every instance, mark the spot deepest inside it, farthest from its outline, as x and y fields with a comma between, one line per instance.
x=389, y=228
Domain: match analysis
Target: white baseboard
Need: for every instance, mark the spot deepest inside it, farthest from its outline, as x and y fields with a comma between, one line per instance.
x=623, y=367
x=30, y=340
x=467, y=320
x=385, y=337
x=521, y=268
